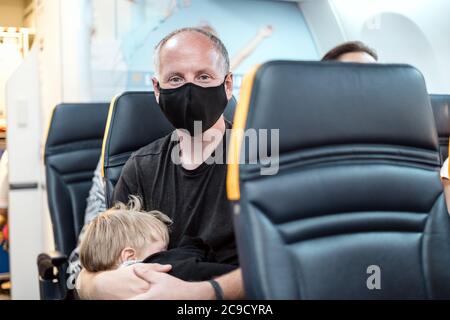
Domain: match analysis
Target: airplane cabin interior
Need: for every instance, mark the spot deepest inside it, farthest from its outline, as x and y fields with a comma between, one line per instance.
x=264, y=149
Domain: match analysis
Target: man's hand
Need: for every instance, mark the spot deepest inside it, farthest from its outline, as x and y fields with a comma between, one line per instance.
x=167, y=287
x=122, y=283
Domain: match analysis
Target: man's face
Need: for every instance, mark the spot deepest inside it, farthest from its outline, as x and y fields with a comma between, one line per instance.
x=359, y=57
x=191, y=57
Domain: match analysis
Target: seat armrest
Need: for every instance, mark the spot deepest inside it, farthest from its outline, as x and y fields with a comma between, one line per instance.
x=47, y=261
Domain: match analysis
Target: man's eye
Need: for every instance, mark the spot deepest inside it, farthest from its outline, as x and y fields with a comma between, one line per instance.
x=204, y=77
x=175, y=80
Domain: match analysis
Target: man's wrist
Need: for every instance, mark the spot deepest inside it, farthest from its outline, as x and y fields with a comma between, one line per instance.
x=203, y=291
x=218, y=292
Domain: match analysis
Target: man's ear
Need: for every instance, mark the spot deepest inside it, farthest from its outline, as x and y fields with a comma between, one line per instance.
x=229, y=85
x=127, y=254
x=156, y=88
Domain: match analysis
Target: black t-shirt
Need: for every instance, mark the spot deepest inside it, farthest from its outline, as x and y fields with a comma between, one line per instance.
x=194, y=199
x=193, y=260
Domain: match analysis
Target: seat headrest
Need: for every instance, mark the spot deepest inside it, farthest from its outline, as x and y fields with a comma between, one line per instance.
x=135, y=120
x=65, y=131
x=441, y=106
x=317, y=104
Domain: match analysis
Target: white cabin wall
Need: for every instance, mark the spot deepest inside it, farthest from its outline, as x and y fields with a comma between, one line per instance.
x=26, y=218
x=402, y=31
x=323, y=24
x=125, y=34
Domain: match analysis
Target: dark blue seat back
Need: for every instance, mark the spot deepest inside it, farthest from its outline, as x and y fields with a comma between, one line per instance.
x=72, y=152
x=357, y=191
x=441, y=110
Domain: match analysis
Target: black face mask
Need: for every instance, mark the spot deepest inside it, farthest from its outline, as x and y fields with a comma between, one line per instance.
x=188, y=103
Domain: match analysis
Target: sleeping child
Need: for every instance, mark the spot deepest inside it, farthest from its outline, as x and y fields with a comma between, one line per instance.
x=124, y=235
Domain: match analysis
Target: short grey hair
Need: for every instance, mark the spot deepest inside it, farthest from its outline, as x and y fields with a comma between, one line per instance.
x=217, y=43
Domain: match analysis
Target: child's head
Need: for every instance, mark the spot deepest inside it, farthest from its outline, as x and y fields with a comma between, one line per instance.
x=121, y=234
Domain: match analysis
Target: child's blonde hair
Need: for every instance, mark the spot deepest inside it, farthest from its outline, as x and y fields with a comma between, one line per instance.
x=120, y=227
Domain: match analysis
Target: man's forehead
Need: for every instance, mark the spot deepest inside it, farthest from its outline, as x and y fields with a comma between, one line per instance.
x=190, y=64
x=188, y=40
x=188, y=53
x=171, y=44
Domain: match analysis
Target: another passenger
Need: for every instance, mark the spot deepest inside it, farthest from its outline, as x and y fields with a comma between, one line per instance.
x=353, y=51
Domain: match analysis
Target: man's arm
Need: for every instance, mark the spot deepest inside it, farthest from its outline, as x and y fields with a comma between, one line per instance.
x=118, y=284
x=162, y=286
x=232, y=285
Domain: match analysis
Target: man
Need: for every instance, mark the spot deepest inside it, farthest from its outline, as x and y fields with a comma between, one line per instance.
x=192, y=82
x=354, y=51
x=96, y=203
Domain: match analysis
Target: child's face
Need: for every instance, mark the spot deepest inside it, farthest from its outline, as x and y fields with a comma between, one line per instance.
x=130, y=254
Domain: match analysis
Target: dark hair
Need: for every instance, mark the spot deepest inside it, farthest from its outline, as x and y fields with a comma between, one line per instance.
x=217, y=43
x=348, y=47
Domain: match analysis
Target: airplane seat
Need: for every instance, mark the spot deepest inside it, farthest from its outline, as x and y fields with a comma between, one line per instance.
x=135, y=120
x=356, y=208
x=441, y=108
x=72, y=151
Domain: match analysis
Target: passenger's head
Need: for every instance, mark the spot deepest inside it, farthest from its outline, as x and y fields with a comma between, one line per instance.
x=187, y=61
x=191, y=55
x=354, y=51
x=123, y=233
